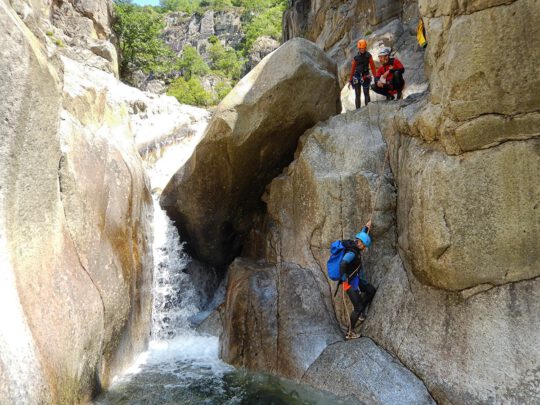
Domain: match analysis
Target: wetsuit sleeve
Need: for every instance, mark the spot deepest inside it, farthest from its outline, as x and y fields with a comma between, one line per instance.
x=379, y=73
x=372, y=65
x=353, y=68
x=398, y=66
x=347, y=259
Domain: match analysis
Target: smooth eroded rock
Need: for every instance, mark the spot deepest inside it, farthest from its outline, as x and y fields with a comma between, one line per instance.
x=251, y=137
x=361, y=369
x=74, y=214
x=341, y=175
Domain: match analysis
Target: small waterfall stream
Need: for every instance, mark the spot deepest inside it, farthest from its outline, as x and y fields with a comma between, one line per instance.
x=182, y=366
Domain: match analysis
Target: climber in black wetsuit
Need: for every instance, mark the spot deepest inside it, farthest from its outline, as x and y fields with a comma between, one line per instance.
x=359, y=291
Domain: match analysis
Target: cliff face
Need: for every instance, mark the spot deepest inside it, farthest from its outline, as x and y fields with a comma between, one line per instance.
x=74, y=207
x=195, y=29
x=456, y=235
x=336, y=27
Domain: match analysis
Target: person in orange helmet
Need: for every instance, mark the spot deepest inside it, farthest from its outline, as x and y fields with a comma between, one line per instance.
x=360, y=72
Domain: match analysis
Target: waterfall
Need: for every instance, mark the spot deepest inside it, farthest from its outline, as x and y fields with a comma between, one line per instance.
x=175, y=298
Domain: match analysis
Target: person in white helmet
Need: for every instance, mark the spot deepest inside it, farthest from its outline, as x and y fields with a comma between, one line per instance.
x=389, y=77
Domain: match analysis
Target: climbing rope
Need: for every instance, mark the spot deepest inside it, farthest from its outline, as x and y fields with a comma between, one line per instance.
x=381, y=175
x=346, y=309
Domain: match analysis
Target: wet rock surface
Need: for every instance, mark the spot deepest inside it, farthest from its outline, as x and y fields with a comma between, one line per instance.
x=278, y=318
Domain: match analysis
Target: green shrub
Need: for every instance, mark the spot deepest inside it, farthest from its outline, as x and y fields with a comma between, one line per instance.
x=226, y=60
x=267, y=23
x=187, y=6
x=191, y=63
x=222, y=89
x=189, y=91
x=259, y=6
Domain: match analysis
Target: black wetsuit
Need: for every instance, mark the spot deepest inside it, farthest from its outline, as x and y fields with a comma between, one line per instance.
x=360, y=292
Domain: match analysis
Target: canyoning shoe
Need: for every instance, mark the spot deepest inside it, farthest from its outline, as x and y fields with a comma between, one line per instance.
x=362, y=317
x=390, y=97
x=352, y=335
x=399, y=95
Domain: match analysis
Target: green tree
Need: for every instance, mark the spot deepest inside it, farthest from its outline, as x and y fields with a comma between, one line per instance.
x=222, y=89
x=138, y=30
x=259, y=6
x=187, y=6
x=267, y=23
x=221, y=4
x=191, y=63
x=226, y=60
x=189, y=91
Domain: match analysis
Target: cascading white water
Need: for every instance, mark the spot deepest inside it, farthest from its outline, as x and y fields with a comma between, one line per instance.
x=175, y=298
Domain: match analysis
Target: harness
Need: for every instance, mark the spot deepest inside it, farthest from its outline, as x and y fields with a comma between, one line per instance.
x=362, y=64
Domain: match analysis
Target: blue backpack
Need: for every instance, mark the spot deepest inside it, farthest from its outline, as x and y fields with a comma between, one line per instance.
x=337, y=251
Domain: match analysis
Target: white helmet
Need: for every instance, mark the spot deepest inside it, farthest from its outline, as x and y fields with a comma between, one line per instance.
x=385, y=52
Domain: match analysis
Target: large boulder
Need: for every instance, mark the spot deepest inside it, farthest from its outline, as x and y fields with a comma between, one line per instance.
x=251, y=137
x=278, y=318
x=475, y=346
x=362, y=370
x=74, y=219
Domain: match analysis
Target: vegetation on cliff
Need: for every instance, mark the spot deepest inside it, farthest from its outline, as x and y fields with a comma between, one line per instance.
x=140, y=33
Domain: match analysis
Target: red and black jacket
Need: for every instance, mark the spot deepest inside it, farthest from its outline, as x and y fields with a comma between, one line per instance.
x=397, y=66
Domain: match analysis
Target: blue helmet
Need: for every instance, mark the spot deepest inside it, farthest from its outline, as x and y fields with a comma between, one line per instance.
x=365, y=238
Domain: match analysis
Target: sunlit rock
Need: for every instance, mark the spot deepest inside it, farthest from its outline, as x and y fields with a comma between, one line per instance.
x=251, y=137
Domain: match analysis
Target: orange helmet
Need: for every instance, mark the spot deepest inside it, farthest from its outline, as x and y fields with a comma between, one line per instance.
x=362, y=44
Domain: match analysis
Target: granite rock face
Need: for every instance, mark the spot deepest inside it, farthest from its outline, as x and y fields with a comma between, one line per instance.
x=466, y=220
x=478, y=107
x=339, y=177
x=336, y=27
x=75, y=212
x=214, y=197
x=458, y=304
x=473, y=346
x=195, y=30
